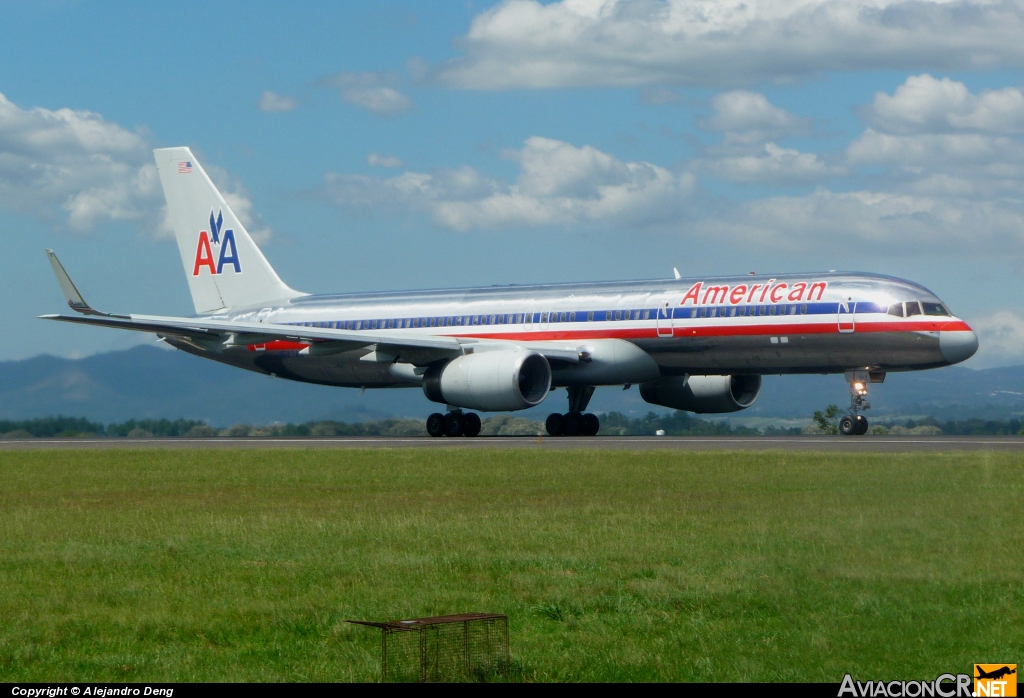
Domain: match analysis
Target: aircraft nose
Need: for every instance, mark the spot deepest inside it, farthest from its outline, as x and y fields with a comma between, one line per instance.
x=957, y=345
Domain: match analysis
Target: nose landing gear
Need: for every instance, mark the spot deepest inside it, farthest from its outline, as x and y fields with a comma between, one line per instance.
x=856, y=424
x=853, y=425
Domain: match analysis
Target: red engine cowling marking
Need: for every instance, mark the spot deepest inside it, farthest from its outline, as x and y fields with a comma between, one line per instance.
x=278, y=345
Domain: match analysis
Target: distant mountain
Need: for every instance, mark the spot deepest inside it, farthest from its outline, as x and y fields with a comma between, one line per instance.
x=155, y=383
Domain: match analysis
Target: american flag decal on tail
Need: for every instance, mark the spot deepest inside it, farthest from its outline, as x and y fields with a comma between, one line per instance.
x=184, y=167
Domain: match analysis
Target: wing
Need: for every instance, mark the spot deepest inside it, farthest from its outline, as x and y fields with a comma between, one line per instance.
x=217, y=335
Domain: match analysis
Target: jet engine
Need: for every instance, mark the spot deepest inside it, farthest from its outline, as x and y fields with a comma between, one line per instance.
x=703, y=394
x=492, y=381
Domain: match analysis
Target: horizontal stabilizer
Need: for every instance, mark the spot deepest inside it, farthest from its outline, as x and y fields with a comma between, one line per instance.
x=71, y=294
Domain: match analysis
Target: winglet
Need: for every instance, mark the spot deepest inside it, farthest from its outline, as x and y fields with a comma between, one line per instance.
x=67, y=287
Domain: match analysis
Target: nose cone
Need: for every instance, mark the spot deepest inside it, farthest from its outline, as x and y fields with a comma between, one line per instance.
x=957, y=345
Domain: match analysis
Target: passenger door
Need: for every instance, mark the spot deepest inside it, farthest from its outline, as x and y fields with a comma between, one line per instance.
x=665, y=320
x=847, y=316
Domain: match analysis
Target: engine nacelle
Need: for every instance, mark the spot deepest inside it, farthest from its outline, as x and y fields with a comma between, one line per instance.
x=492, y=381
x=703, y=394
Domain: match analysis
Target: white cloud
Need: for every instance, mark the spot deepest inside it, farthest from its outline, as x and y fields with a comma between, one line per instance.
x=923, y=104
x=273, y=102
x=775, y=165
x=371, y=91
x=74, y=167
x=375, y=160
x=380, y=100
x=937, y=138
x=750, y=125
x=937, y=149
x=558, y=184
x=748, y=117
x=526, y=44
x=1000, y=339
x=889, y=222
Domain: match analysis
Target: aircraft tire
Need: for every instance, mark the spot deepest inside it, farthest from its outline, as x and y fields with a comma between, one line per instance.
x=471, y=424
x=847, y=425
x=554, y=424
x=572, y=424
x=862, y=425
x=591, y=425
x=453, y=424
x=435, y=424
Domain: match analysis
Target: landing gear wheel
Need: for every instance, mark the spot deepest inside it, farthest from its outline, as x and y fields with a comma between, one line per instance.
x=471, y=424
x=861, y=428
x=435, y=424
x=591, y=425
x=572, y=424
x=554, y=424
x=847, y=425
x=453, y=424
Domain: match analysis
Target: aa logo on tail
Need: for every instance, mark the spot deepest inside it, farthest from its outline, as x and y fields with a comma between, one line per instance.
x=211, y=239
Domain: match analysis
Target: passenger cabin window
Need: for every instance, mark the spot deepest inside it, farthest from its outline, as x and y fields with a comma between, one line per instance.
x=913, y=308
x=590, y=316
x=803, y=309
x=934, y=309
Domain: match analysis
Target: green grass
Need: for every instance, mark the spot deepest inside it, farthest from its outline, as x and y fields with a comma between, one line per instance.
x=187, y=565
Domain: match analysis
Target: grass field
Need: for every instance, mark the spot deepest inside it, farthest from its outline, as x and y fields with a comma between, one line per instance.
x=218, y=565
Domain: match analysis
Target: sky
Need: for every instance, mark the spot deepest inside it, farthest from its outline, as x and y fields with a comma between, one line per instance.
x=402, y=145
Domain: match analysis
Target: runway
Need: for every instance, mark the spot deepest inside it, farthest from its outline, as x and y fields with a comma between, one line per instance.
x=867, y=444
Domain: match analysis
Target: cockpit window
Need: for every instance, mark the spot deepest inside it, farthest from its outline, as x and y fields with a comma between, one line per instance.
x=896, y=309
x=934, y=309
x=913, y=308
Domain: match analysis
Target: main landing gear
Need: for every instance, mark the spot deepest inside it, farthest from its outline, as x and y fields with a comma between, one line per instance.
x=856, y=424
x=455, y=423
x=575, y=422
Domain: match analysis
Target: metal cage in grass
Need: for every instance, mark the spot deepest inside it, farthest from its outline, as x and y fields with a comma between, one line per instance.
x=463, y=647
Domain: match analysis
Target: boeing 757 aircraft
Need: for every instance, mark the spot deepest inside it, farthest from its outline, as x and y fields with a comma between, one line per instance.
x=690, y=344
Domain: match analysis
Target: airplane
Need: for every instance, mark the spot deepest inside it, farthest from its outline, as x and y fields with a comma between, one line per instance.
x=995, y=673
x=698, y=344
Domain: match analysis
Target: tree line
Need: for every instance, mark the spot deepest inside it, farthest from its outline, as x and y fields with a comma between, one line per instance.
x=612, y=423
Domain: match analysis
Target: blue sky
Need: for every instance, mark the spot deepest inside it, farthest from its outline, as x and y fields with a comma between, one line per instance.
x=395, y=145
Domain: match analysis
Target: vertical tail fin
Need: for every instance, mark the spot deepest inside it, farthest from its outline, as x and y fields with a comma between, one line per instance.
x=224, y=267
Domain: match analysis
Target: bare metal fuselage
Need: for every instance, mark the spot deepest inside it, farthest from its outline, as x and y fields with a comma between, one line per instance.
x=732, y=325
